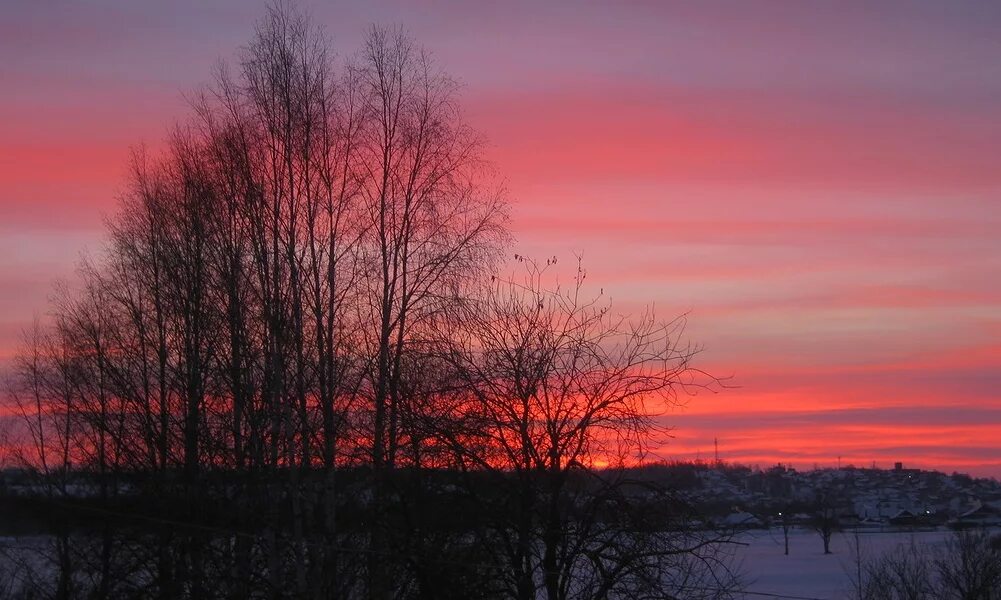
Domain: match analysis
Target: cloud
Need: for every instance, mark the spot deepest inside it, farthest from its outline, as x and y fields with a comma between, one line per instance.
x=818, y=185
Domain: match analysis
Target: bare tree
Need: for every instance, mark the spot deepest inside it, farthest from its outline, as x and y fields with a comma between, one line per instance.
x=291, y=372
x=786, y=523
x=558, y=385
x=430, y=224
x=970, y=566
x=966, y=567
x=825, y=519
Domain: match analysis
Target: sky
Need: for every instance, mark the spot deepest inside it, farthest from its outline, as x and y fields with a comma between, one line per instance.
x=817, y=184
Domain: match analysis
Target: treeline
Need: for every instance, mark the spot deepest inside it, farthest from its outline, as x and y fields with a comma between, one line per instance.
x=295, y=371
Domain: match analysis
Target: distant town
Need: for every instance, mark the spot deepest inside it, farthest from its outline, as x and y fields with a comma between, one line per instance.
x=868, y=498
x=728, y=495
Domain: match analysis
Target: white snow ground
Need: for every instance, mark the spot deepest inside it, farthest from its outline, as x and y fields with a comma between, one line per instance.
x=807, y=572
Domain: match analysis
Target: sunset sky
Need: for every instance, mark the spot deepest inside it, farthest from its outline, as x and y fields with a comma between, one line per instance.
x=818, y=184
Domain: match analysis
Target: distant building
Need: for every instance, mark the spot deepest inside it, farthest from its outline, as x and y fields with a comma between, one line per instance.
x=742, y=520
x=984, y=515
x=904, y=518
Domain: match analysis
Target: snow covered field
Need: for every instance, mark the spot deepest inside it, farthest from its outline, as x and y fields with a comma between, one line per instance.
x=807, y=572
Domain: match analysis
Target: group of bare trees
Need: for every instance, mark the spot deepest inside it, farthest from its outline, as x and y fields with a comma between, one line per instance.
x=297, y=351
x=966, y=566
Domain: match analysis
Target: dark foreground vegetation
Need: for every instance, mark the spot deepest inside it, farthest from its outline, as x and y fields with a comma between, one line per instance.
x=966, y=567
x=447, y=535
x=299, y=370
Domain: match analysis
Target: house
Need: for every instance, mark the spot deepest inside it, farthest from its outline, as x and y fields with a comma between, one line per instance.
x=904, y=518
x=984, y=515
x=741, y=520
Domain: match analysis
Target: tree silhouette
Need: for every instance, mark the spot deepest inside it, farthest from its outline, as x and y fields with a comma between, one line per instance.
x=293, y=371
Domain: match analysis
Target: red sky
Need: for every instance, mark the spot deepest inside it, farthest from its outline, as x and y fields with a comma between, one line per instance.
x=819, y=185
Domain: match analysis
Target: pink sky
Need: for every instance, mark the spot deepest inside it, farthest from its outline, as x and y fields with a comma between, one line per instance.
x=818, y=184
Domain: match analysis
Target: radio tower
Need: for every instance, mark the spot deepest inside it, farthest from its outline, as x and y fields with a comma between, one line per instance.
x=716, y=449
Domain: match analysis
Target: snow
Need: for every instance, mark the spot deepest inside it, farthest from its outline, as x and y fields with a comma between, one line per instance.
x=807, y=572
